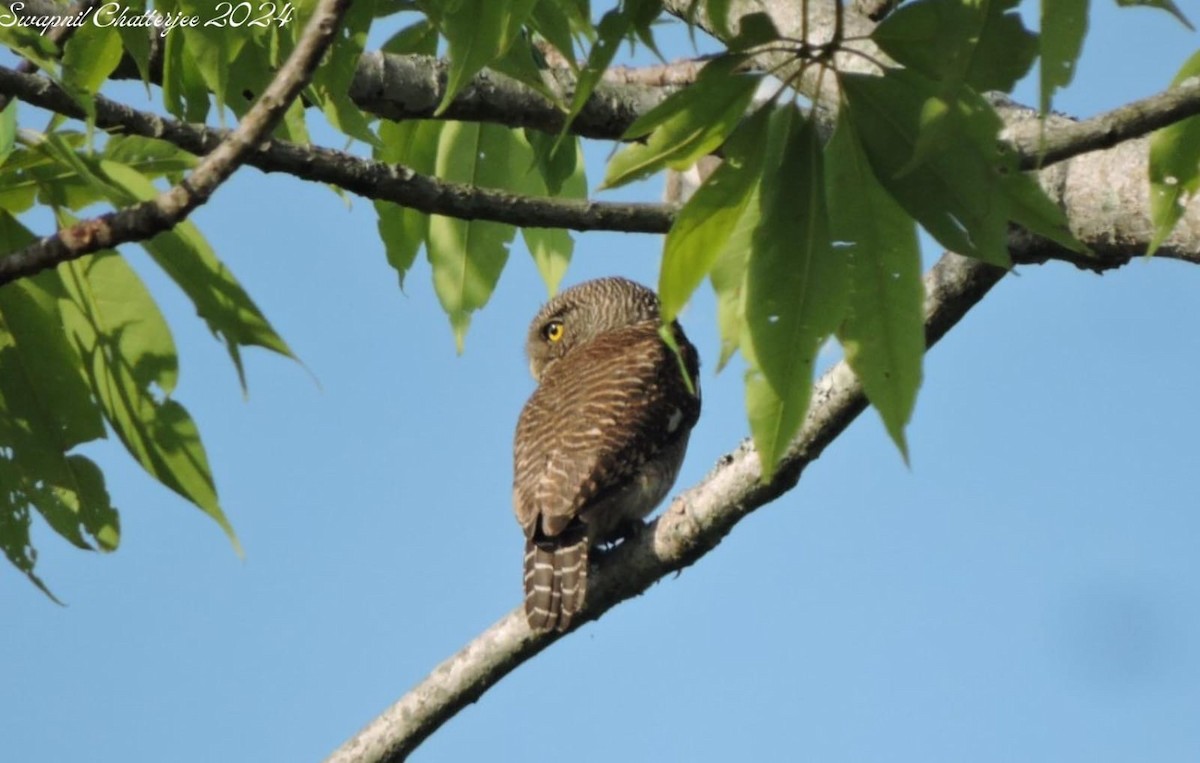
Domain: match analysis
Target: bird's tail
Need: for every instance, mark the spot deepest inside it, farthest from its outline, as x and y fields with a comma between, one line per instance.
x=555, y=578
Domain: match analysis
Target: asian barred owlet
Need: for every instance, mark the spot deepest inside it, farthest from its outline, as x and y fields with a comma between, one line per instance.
x=601, y=439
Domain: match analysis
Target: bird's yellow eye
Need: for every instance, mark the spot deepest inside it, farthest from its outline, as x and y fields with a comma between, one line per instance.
x=553, y=331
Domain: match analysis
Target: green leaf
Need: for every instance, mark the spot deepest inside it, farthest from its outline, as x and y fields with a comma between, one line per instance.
x=754, y=29
x=184, y=92
x=15, y=521
x=403, y=230
x=714, y=73
x=551, y=248
x=718, y=17
x=728, y=278
x=1165, y=5
x=8, y=129
x=185, y=256
x=330, y=87
x=135, y=40
x=420, y=38
x=687, y=125
x=955, y=192
x=251, y=73
x=131, y=366
x=211, y=49
x=728, y=273
x=46, y=409
x=18, y=188
x=980, y=44
x=80, y=511
x=795, y=290
x=521, y=62
x=467, y=256
x=1174, y=166
x=884, y=332
x=27, y=41
x=609, y=32
x=247, y=77
x=150, y=157
x=559, y=162
x=1031, y=208
x=1064, y=24
x=52, y=165
x=70, y=182
x=38, y=352
x=91, y=55
x=1005, y=52
x=642, y=15
x=553, y=22
x=579, y=15
x=478, y=33
x=706, y=223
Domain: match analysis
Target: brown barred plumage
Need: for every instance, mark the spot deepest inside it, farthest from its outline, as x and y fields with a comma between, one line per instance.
x=600, y=441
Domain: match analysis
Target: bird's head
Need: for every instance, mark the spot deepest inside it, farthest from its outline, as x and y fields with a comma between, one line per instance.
x=582, y=313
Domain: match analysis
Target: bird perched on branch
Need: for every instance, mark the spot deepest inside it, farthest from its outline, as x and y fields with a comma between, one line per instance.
x=599, y=443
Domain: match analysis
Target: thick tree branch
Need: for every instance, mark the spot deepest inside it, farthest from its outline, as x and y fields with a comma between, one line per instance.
x=1104, y=193
x=692, y=526
x=58, y=35
x=697, y=520
x=146, y=219
x=1068, y=139
x=411, y=87
x=370, y=179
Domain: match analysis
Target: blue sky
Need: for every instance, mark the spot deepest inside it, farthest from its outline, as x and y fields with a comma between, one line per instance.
x=1028, y=590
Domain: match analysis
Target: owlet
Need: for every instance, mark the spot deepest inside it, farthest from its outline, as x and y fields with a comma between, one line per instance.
x=601, y=439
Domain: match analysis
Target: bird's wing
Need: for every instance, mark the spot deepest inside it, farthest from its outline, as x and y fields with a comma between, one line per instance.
x=598, y=415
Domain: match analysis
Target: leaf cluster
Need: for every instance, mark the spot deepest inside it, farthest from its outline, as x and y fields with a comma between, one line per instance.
x=806, y=231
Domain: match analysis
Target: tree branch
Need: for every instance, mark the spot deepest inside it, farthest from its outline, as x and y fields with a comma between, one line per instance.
x=693, y=525
x=411, y=87
x=697, y=520
x=148, y=218
x=1100, y=190
x=1104, y=193
x=370, y=179
x=1069, y=138
x=58, y=35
